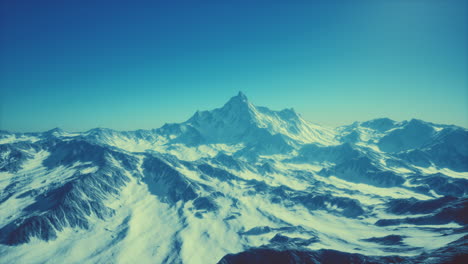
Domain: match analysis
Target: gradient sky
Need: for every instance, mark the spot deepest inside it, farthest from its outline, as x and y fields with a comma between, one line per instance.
x=84, y=64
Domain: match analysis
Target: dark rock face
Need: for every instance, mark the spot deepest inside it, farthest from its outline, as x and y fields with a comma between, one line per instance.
x=265, y=255
x=68, y=152
x=416, y=156
x=335, y=154
x=71, y=203
x=420, y=144
x=413, y=135
x=362, y=170
x=390, y=240
x=414, y=206
x=228, y=161
x=205, y=203
x=352, y=137
x=217, y=173
x=14, y=155
x=347, y=207
x=441, y=211
x=282, y=240
x=166, y=182
x=454, y=253
x=68, y=205
x=380, y=124
x=450, y=150
x=442, y=185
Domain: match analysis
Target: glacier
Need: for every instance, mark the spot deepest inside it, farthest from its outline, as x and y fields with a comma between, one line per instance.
x=237, y=184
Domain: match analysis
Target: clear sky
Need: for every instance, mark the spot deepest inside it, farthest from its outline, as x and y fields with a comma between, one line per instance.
x=139, y=64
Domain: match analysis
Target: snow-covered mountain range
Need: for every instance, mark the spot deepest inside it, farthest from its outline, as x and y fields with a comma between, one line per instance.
x=238, y=184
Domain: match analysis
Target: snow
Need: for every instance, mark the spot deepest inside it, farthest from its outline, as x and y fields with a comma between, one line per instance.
x=13, y=138
x=146, y=227
x=446, y=171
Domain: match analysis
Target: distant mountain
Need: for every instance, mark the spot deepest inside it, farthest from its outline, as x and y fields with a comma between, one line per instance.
x=237, y=184
x=240, y=122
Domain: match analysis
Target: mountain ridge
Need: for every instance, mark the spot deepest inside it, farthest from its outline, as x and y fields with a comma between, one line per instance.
x=234, y=179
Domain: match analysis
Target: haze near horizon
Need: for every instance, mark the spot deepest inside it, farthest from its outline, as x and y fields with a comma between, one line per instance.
x=129, y=66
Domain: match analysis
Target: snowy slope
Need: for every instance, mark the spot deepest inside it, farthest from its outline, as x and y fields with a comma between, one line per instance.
x=237, y=178
x=239, y=120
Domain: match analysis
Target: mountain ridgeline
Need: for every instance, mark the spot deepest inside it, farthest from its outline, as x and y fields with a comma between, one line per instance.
x=237, y=184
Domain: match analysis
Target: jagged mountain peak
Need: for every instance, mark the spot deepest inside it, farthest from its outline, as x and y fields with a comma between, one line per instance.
x=240, y=120
x=57, y=129
x=99, y=130
x=380, y=120
x=417, y=123
x=240, y=99
x=241, y=95
x=380, y=124
x=291, y=111
x=238, y=105
x=55, y=132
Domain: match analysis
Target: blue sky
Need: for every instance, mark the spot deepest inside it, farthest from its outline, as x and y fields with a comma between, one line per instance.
x=139, y=64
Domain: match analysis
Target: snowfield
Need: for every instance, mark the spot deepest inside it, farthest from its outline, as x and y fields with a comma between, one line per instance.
x=237, y=183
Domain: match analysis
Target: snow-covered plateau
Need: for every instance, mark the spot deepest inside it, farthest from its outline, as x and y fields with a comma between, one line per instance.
x=238, y=184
